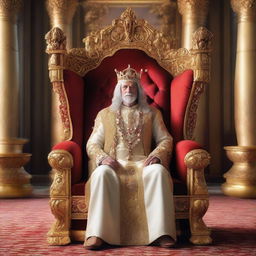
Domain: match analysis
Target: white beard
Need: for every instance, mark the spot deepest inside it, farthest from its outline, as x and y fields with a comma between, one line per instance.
x=129, y=99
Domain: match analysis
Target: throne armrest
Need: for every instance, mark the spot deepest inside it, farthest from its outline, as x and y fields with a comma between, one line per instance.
x=75, y=150
x=196, y=160
x=182, y=148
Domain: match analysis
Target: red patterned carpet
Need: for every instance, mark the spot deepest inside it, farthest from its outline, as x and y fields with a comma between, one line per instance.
x=24, y=224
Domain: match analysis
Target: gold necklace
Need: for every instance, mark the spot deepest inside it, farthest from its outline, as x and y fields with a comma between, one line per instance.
x=130, y=135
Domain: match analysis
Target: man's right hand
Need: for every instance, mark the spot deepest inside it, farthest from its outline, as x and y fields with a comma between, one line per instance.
x=110, y=162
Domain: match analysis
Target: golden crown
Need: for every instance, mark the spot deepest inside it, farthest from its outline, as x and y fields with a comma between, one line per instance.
x=128, y=74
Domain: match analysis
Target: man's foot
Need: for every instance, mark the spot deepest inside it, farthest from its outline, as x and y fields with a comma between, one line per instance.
x=165, y=242
x=93, y=243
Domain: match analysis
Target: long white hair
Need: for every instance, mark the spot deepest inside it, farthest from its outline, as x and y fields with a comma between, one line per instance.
x=117, y=97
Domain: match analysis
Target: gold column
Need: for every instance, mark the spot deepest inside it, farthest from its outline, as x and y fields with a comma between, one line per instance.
x=241, y=178
x=61, y=13
x=194, y=15
x=14, y=180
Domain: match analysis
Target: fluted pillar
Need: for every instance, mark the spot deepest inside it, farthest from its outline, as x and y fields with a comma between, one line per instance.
x=241, y=178
x=14, y=180
x=61, y=13
x=194, y=15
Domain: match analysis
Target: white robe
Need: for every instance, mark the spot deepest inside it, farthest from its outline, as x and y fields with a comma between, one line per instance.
x=106, y=214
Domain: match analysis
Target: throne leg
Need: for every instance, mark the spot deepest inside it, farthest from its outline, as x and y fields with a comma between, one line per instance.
x=60, y=192
x=59, y=233
x=200, y=234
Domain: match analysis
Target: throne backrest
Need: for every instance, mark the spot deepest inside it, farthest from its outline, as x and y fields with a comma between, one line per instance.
x=100, y=83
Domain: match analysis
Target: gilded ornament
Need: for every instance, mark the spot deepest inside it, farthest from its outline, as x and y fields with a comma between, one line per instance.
x=201, y=39
x=56, y=40
x=64, y=110
x=191, y=111
x=200, y=233
x=79, y=208
x=197, y=159
x=59, y=232
x=60, y=159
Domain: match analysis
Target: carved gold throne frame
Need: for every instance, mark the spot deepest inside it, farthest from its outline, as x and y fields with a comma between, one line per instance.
x=128, y=32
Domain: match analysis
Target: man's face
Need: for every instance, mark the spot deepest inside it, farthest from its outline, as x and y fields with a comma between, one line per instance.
x=129, y=92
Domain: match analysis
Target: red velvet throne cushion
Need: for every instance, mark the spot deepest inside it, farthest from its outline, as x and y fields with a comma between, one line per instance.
x=88, y=95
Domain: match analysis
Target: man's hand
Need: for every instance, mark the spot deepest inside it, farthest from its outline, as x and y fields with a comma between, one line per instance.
x=110, y=162
x=151, y=160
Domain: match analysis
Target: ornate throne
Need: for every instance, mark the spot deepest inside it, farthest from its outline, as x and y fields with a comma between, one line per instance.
x=84, y=80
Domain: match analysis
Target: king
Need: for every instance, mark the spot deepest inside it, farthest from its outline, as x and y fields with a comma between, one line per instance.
x=130, y=190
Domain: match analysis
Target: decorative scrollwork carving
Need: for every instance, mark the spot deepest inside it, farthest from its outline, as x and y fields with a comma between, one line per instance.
x=61, y=161
x=125, y=32
x=59, y=232
x=79, y=205
x=56, y=48
x=200, y=233
x=197, y=159
x=55, y=39
x=58, y=87
x=79, y=208
x=202, y=39
x=191, y=111
x=58, y=209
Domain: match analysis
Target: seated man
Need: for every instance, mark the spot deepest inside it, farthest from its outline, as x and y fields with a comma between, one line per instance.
x=130, y=189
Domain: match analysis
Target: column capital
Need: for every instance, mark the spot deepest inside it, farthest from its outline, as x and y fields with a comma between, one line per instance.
x=61, y=9
x=9, y=8
x=188, y=7
x=244, y=8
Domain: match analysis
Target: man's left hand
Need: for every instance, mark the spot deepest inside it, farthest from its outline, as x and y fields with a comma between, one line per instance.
x=151, y=160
